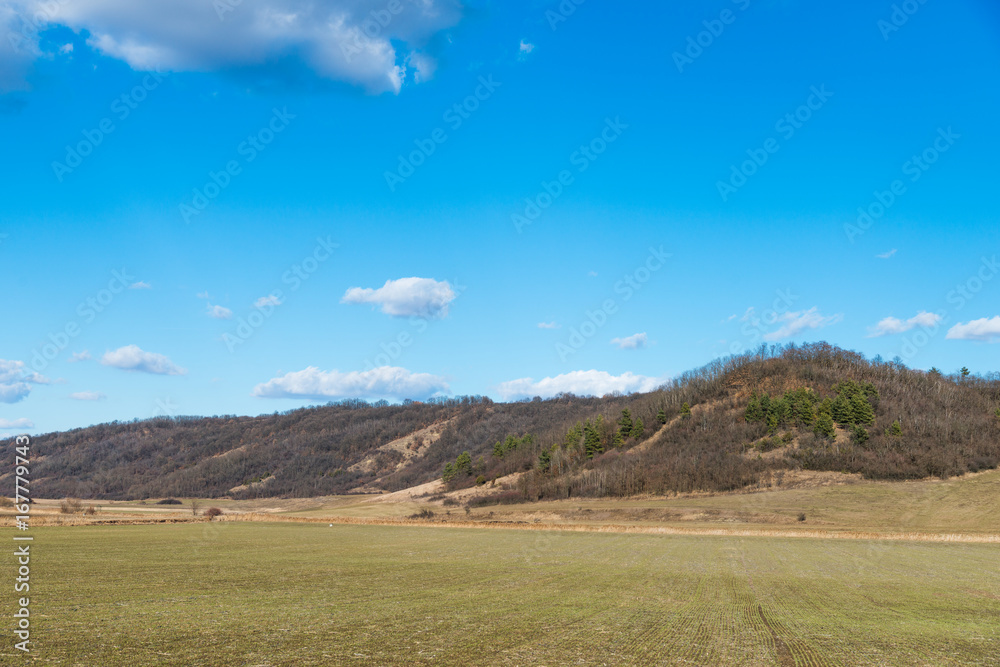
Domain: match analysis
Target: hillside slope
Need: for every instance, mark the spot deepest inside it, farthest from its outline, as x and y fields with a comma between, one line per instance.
x=569, y=446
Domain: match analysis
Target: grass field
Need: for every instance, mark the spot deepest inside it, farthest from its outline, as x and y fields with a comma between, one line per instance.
x=306, y=594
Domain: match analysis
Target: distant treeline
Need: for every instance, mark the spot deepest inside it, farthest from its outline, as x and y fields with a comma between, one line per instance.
x=822, y=407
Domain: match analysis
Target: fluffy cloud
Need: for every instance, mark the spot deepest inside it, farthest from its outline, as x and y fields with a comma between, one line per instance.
x=985, y=329
x=265, y=301
x=131, y=358
x=16, y=423
x=88, y=396
x=16, y=381
x=633, y=342
x=892, y=325
x=383, y=382
x=797, y=322
x=219, y=312
x=406, y=297
x=355, y=41
x=581, y=383
x=525, y=49
x=79, y=356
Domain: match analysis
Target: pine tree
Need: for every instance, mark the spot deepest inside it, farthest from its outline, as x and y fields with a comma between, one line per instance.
x=498, y=450
x=661, y=416
x=464, y=463
x=618, y=440
x=842, y=410
x=449, y=472
x=545, y=460
x=638, y=429
x=896, y=430
x=753, y=412
x=685, y=411
x=824, y=425
x=625, y=423
x=859, y=435
x=965, y=372
x=862, y=410
x=591, y=440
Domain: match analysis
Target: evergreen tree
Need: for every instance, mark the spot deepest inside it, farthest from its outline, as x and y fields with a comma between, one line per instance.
x=824, y=425
x=685, y=411
x=625, y=423
x=842, y=410
x=618, y=441
x=449, y=472
x=861, y=410
x=859, y=435
x=591, y=440
x=754, y=413
x=638, y=429
x=498, y=450
x=804, y=411
x=464, y=463
x=545, y=460
x=661, y=416
x=965, y=372
x=896, y=430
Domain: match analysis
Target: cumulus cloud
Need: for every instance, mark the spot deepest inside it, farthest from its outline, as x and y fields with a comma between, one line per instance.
x=132, y=358
x=525, y=49
x=88, y=396
x=382, y=382
x=16, y=423
x=893, y=325
x=797, y=322
x=219, y=312
x=360, y=42
x=265, y=301
x=140, y=285
x=406, y=297
x=548, y=325
x=79, y=356
x=633, y=342
x=581, y=383
x=16, y=381
x=985, y=329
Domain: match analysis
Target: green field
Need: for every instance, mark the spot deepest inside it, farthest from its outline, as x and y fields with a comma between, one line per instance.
x=306, y=594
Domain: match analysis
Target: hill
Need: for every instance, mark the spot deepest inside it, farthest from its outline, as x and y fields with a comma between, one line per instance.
x=737, y=423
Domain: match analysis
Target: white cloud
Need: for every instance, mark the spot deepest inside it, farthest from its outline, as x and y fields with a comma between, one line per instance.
x=140, y=285
x=406, y=297
x=132, y=358
x=88, y=396
x=985, y=329
x=887, y=255
x=893, y=325
x=342, y=40
x=548, y=325
x=16, y=381
x=581, y=383
x=219, y=312
x=633, y=342
x=525, y=49
x=797, y=322
x=16, y=423
x=79, y=356
x=382, y=382
x=203, y=295
x=748, y=315
x=265, y=301
x=18, y=46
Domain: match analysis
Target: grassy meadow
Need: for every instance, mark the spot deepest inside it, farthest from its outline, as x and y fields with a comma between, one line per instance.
x=270, y=594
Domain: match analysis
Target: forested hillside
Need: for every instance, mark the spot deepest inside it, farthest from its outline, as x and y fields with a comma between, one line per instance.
x=723, y=427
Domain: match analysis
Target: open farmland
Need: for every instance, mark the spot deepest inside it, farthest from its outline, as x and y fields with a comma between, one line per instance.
x=247, y=593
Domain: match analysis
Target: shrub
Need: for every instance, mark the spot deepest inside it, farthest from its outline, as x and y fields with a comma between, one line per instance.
x=213, y=512
x=802, y=516
x=480, y=480
x=90, y=511
x=168, y=501
x=423, y=514
x=70, y=506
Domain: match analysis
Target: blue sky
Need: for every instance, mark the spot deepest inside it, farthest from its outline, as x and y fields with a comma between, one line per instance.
x=624, y=192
